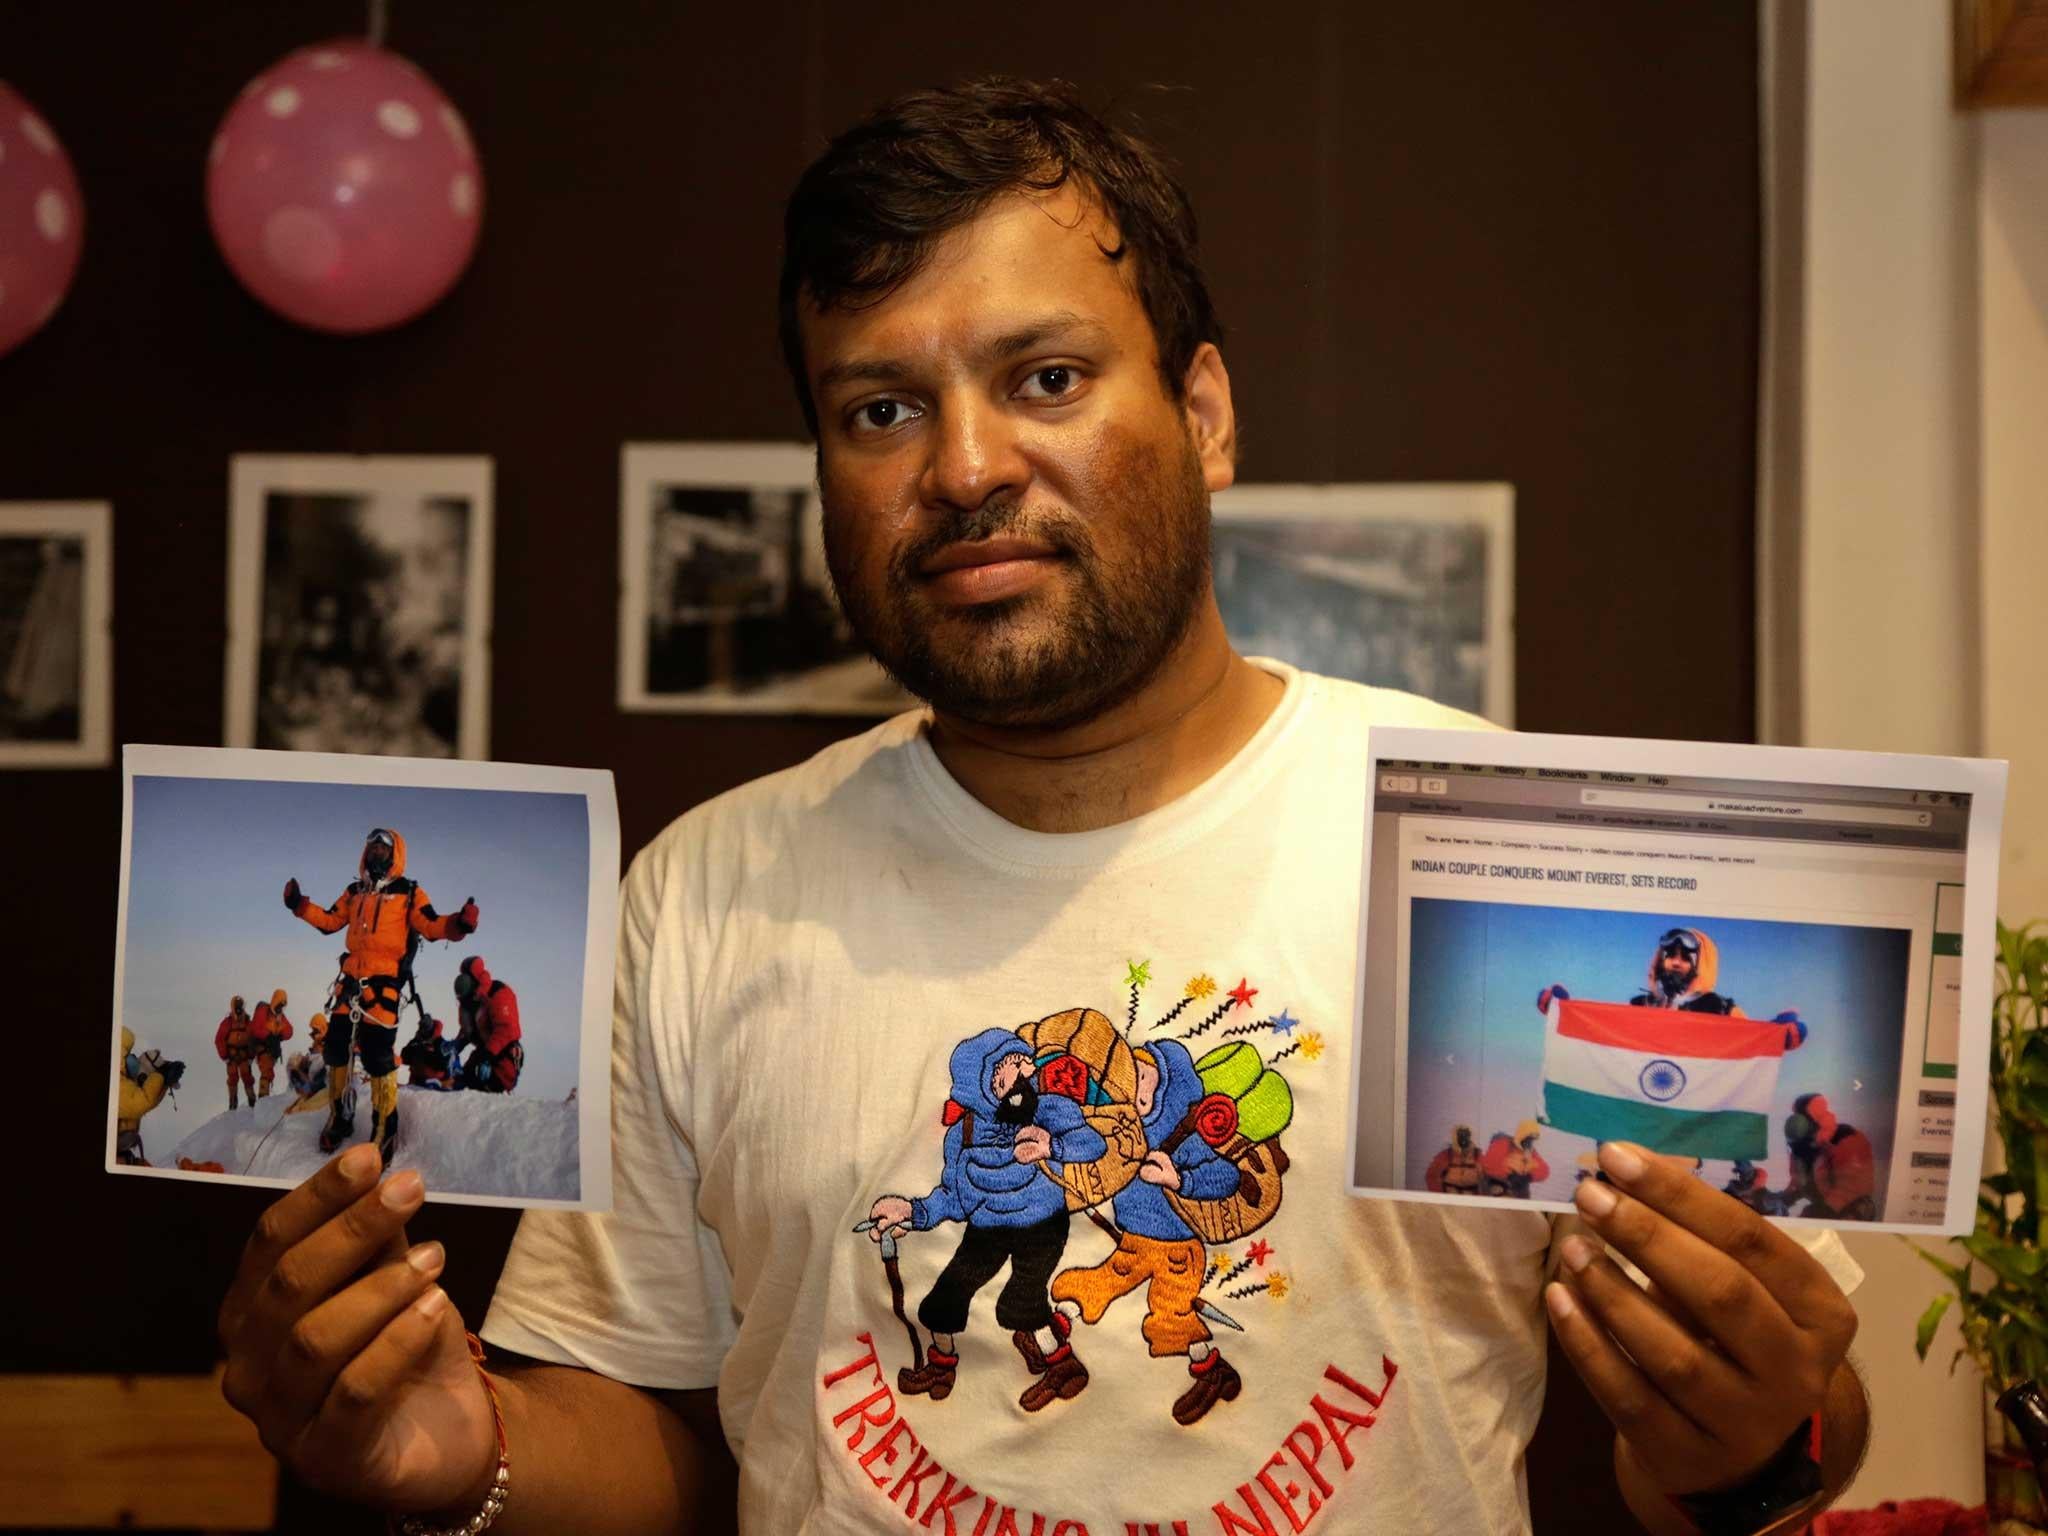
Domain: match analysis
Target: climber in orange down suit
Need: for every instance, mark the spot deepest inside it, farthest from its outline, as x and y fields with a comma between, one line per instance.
x=386, y=916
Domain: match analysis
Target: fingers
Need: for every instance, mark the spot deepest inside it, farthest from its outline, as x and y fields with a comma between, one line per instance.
x=1640, y=1413
x=1710, y=1276
x=398, y=1351
x=321, y=1263
x=1703, y=1386
x=344, y=1177
x=322, y=1343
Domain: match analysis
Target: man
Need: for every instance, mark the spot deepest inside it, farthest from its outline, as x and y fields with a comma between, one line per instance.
x=999, y=1130
x=1512, y=1164
x=269, y=1028
x=1455, y=1170
x=1155, y=1247
x=433, y=1062
x=236, y=1047
x=1834, y=1167
x=307, y=1070
x=487, y=1024
x=142, y=1082
x=386, y=916
x=996, y=321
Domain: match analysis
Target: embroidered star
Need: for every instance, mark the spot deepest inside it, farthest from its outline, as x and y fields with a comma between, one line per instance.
x=1139, y=972
x=1201, y=986
x=1259, y=1252
x=1242, y=994
x=1284, y=1025
x=1276, y=1286
x=1312, y=1045
x=1219, y=1261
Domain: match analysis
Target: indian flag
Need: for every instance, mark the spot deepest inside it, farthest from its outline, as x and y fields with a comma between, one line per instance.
x=1691, y=1084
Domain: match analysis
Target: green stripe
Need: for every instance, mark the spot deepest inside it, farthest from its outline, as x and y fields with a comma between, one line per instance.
x=1718, y=1133
x=1948, y=943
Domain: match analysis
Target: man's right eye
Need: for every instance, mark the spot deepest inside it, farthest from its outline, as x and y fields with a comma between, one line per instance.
x=878, y=416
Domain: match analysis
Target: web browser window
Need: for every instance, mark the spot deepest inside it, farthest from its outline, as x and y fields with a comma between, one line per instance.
x=1770, y=965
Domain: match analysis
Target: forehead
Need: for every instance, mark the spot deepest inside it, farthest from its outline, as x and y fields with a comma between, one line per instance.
x=1025, y=255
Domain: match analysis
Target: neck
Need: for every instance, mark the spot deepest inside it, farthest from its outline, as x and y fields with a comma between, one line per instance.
x=1201, y=707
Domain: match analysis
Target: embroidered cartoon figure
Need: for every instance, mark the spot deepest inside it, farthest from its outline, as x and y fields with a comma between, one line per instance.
x=1064, y=1115
x=1003, y=1138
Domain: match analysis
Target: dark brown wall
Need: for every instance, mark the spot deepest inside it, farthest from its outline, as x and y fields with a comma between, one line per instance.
x=1487, y=241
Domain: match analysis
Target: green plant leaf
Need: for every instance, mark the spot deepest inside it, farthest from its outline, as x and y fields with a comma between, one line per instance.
x=1956, y=1274
x=1923, y=1333
x=2016, y=1265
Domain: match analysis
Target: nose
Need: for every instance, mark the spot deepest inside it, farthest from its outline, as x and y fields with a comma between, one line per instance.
x=973, y=455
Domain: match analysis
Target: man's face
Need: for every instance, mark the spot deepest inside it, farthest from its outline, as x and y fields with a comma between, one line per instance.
x=1148, y=1088
x=1677, y=968
x=1016, y=511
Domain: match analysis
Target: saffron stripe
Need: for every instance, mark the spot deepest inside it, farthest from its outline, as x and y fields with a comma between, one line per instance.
x=1668, y=1032
x=1724, y=1133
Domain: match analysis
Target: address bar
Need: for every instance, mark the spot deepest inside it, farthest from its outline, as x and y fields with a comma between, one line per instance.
x=1768, y=810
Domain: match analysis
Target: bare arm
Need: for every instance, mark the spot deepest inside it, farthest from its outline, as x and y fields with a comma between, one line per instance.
x=1845, y=1434
x=658, y=1459
x=344, y=1352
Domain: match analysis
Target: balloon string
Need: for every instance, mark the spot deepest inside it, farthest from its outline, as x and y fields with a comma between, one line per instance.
x=377, y=8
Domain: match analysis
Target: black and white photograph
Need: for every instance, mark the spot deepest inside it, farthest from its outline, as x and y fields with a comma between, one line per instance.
x=55, y=653
x=725, y=600
x=1398, y=586
x=359, y=605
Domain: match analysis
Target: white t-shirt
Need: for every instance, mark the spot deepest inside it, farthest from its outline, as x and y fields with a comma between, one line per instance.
x=820, y=976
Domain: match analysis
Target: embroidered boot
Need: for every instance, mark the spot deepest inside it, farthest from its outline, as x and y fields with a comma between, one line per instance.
x=1027, y=1346
x=1064, y=1377
x=933, y=1379
x=1214, y=1381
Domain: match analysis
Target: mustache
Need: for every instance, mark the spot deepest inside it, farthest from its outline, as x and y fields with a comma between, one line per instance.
x=996, y=518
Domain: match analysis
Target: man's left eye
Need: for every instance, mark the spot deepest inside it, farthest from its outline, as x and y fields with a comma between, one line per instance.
x=1049, y=383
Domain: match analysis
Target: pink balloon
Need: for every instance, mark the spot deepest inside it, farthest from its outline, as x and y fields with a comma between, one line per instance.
x=42, y=221
x=343, y=188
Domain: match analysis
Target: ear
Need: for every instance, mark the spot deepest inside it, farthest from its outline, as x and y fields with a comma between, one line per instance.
x=1212, y=418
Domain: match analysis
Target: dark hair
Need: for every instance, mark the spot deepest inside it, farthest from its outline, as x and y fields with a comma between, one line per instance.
x=866, y=213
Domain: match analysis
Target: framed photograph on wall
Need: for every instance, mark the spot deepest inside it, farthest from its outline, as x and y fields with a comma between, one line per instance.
x=56, y=635
x=725, y=604
x=359, y=605
x=1399, y=586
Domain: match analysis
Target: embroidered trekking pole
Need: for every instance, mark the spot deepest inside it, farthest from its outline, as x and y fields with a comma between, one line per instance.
x=895, y=1274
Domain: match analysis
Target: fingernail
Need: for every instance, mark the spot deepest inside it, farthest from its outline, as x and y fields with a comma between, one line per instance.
x=357, y=1162
x=427, y=1258
x=1594, y=1198
x=1578, y=1253
x=403, y=1189
x=1622, y=1160
x=1559, y=1298
x=433, y=1303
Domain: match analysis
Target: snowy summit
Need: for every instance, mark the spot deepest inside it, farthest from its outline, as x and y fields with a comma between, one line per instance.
x=462, y=1143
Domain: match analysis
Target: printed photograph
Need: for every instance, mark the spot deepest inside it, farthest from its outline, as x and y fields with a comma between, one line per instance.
x=320, y=951
x=1763, y=1055
x=55, y=652
x=359, y=606
x=1398, y=586
x=725, y=600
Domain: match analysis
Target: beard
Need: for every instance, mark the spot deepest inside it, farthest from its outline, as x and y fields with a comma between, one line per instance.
x=1049, y=658
x=1020, y=1105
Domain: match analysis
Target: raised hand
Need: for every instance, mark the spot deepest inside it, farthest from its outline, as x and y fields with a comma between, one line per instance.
x=346, y=1354
x=1706, y=1377
x=292, y=896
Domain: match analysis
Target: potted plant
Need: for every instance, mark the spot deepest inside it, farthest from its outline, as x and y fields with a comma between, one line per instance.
x=2004, y=1320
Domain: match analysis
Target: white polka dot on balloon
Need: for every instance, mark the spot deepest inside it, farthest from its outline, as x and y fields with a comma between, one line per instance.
x=53, y=217
x=254, y=86
x=398, y=119
x=219, y=151
x=37, y=132
x=462, y=194
x=327, y=58
x=457, y=130
x=282, y=102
